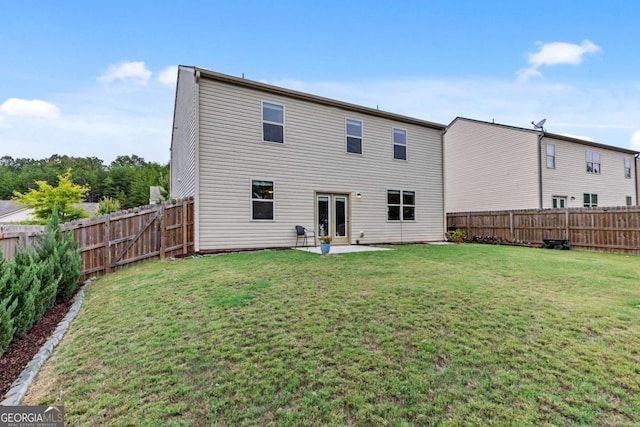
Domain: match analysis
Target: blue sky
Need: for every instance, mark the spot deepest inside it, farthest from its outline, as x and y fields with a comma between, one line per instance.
x=98, y=78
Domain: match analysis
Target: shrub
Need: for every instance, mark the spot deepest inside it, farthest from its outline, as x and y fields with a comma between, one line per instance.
x=456, y=235
x=108, y=205
x=24, y=289
x=6, y=310
x=62, y=263
x=71, y=263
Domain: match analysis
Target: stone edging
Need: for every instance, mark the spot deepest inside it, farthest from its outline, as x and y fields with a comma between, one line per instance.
x=19, y=387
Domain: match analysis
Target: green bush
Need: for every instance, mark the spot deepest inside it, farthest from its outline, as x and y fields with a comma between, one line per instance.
x=6, y=310
x=32, y=280
x=56, y=245
x=24, y=289
x=108, y=205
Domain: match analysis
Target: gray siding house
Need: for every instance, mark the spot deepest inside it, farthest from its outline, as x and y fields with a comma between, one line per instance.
x=490, y=166
x=260, y=159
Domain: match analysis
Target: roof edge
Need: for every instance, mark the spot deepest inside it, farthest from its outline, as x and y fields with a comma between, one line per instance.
x=550, y=135
x=238, y=81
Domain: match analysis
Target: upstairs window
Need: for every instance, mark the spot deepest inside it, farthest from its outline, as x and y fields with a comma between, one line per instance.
x=399, y=144
x=551, y=156
x=261, y=200
x=401, y=205
x=590, y=200
x=593, y=162
x=627, y=167
x=272, y=122
x=354, y=136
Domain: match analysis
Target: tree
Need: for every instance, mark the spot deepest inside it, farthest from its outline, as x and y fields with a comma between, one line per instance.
x=46, y=197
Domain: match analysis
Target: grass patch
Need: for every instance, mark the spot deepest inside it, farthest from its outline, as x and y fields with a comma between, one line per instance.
x=427, y=335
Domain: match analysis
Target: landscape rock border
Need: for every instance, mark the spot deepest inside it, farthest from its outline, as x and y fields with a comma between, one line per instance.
x=21, y=384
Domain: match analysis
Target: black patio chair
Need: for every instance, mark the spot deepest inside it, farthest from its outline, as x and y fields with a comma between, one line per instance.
x=303, y=233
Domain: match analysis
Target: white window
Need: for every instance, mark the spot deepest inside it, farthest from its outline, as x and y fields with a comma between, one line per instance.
x=629, y=200
x=261, y=200
x=401, y=205
x=593, y=162
x=590, y=200
x=272, y=122
x=399, y=144
x=559, y=202
x=551, y=156
x=354, y=136
x=627, y=167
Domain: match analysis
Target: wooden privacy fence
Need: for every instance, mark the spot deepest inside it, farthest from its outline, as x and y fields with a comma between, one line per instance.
x=610, y=229
x=111, y=241
x=11, y=235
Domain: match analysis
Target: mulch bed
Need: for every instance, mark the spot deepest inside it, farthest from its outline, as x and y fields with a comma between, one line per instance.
x=20, y=352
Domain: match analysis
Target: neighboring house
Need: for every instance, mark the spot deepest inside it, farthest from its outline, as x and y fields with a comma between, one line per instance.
x=13, y=212
x=261, y=159
x=155, y=194
x=489, y=166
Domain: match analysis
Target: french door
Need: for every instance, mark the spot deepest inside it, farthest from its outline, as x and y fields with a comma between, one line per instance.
x=332, y=217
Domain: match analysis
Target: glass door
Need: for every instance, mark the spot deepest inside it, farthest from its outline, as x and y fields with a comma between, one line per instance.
x=323, y=216
x=340, y=223
x=332, y=212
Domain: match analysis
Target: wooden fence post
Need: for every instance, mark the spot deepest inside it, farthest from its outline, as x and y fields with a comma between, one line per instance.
x=163, y=231
x=511, y=225
x=185, y=230
x=107, y=245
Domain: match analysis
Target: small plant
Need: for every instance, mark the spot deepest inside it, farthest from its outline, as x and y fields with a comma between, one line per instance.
x=456, y=235
x=325, y=239
x=108, y=205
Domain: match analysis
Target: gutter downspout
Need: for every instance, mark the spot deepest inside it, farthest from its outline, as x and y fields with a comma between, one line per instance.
x=635, y=166
x=540, y=136
x=444, y=188
x=196, y=201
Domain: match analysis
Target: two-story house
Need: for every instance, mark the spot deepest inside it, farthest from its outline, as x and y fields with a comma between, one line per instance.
x=490, y=166
x=261, y=159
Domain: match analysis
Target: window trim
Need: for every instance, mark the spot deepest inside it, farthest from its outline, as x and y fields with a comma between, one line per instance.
x=401, y=205
x=627, y=160
x=590, y=204
x=552, y=156
x=593, y=163
x=347, y=136
x=405, y=145
x=251, y=200
x=273, y=123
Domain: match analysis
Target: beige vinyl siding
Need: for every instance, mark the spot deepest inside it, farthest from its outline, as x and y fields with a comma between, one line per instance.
x=489, y=167
x=312, y=159
x=185, y=135
x=571, y=179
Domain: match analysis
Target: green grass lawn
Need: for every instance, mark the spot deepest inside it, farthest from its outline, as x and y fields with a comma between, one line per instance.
x=421, y=335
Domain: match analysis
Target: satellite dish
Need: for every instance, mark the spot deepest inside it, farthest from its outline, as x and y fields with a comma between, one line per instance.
x=539, y=124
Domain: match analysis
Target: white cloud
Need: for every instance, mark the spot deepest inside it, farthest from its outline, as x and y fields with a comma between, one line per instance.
x=562, y=53
x=130, y=72
x=169, y=75
x=634, y=143
x=16, y=107
x=556, y=53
